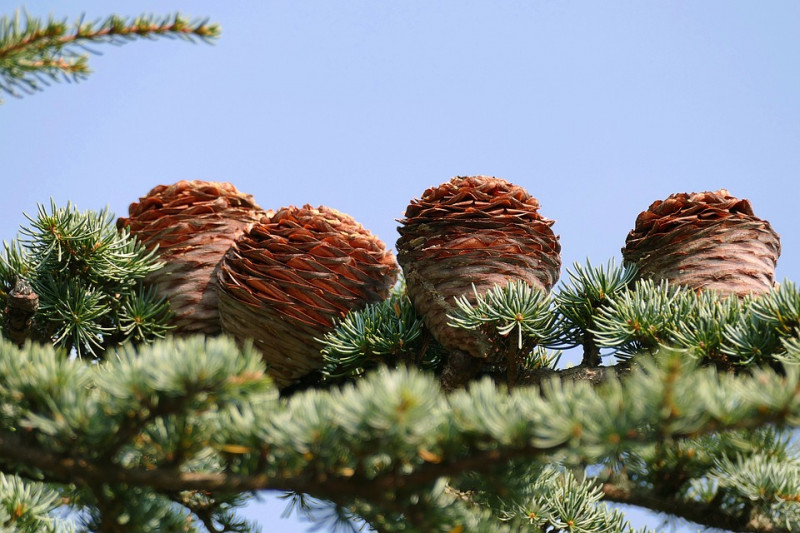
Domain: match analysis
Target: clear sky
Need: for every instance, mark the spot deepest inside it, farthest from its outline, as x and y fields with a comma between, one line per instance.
x=597, y=108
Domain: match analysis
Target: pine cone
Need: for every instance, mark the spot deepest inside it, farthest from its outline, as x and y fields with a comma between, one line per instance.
x=707, y=240
x=285, y=281
x=193, y=223
x=472, y=231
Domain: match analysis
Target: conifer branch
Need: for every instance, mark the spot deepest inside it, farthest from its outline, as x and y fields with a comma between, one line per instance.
x=82, y=282
x=705, y=515
x=71, y=470
x=585, y=372
x=68, y=469
x=33, y=53
x=429, y=436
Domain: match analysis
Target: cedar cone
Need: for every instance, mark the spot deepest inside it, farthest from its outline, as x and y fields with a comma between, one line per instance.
x=706, y=240
x=472, y=231
x=286, y=280
x=193, y=223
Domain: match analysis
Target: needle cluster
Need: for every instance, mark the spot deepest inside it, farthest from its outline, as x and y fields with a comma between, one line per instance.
x=34, y=53
x=89, y=280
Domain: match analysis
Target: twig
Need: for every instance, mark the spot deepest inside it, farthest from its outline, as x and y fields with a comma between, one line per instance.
x=698, y=513
x=20, y=309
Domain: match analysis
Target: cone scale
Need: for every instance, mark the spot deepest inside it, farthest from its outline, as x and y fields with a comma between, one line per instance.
x=287, y=279
x=466, y=236
x=706, y=241
x=193, y=223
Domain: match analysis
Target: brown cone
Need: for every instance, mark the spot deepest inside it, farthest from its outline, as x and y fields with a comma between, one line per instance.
x=193, y=223
x=473, y=231
x=285, y=281
x=707, y=240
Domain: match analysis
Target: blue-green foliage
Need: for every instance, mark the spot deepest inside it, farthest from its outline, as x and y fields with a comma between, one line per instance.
x=515, y=307
x=384, y=333
x=579, y=302
x=89, y=279
x=37, y=52
x=386, y=445
x=600, y=308
x=158, y=407
x=27, y=507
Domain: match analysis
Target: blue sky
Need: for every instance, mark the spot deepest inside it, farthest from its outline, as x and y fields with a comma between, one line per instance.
x=597, y=108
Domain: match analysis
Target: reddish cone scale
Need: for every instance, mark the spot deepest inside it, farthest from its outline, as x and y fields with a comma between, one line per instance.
x=193, y=223
x=706, y=240
x=470, y=232
x=288, y=278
